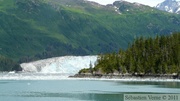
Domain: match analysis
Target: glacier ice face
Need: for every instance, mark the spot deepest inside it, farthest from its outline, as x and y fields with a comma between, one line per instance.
x=63, y=65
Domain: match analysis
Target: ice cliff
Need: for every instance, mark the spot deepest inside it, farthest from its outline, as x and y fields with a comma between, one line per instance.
x=64, y=65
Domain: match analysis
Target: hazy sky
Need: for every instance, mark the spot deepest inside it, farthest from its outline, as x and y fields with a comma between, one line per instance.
x=151, y=3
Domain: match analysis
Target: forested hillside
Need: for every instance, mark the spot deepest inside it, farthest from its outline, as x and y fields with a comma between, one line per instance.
x=38, y=29
x=160, y=55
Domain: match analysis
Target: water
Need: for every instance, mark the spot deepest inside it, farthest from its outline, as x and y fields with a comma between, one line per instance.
x=29, y=89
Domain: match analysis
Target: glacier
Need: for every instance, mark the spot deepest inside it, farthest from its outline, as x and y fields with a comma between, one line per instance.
x=62, y=65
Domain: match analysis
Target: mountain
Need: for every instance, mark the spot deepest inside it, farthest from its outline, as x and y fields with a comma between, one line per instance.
x=37, y=29
x=171, y=6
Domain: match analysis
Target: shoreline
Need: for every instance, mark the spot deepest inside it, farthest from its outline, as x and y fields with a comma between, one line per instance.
x=57, y=76
x=129, y=77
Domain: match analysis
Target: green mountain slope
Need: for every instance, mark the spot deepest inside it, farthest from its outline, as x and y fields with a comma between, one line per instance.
x=34, y=29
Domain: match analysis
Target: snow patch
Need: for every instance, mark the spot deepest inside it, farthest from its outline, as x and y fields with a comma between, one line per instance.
x=166, y=8
x=158, y=5
x=117, y=9
x=171, y=11
x=178, y=10
x=179, y=3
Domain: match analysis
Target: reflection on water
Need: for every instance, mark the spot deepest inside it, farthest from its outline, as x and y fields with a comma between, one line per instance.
x=79, y=90
x=159, y=84
x=75, y=96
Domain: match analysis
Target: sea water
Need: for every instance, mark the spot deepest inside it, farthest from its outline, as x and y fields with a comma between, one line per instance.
x=55, y=87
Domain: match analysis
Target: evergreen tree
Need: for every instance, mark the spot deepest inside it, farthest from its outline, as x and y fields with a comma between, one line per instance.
x=160, y=55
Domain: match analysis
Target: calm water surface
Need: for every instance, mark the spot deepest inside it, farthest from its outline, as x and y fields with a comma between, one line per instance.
x=79, y=90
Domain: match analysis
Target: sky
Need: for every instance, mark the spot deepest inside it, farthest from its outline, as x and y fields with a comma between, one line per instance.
x=151, y=3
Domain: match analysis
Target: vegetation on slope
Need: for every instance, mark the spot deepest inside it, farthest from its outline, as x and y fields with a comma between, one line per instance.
x=37, y=29
x=160, y=55
x=7, y=64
